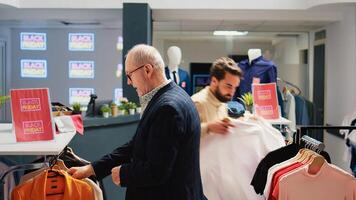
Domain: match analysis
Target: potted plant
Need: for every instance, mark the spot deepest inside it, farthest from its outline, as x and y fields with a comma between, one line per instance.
x=247, y=99
x=123, y=100
x=122, y=109
x=131, y=106
x=76, y=108
x=114, y=109
x=138, y=109
x=3, y=99
x=105, y=110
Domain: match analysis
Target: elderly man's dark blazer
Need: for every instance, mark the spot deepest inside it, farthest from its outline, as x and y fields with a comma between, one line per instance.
x=161, y=162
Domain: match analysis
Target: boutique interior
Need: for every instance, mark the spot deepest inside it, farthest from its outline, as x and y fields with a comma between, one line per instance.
x=311, y=45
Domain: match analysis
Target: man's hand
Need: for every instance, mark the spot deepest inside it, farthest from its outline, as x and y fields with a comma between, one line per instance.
x=220, y=126
x=81, y=172
x=115, y=174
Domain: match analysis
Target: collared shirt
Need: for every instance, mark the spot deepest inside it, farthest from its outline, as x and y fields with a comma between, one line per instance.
x=209, y=108
x=260, y=68
x=145, y=99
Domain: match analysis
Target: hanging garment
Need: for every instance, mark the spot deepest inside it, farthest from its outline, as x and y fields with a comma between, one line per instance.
x=7, y=160
x=275, y=169
x=98, y=194
x=72, y=160
x=272, y=173
x=280, y=103
x=349, y=120
x=353, y=159
x=301, y=111
x=9, y=182
x=228, y=161
x=274, y=189
x=351, y=154
x=329, y=183
x=290, y=109
x=36, y=189
x=350, y=137
x=275, y=157
x=260, y=68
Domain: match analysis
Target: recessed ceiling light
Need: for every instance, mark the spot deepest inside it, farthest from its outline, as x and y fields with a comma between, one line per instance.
x=232, y=33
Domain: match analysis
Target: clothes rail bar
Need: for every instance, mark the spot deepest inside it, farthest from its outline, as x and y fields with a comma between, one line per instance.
x=302, y=130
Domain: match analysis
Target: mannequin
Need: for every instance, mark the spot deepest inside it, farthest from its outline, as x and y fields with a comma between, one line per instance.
x=174, y=57
x=253, y=54
x=256, y=67
x=173, y=72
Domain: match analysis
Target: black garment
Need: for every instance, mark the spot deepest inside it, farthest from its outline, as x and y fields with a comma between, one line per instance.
x=274, y=157
x=161, y=162
x=353, y=149
x=353, y=159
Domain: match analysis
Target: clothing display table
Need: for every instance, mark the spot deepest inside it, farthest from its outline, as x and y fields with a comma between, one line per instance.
x=280, y=121
x=9, y=146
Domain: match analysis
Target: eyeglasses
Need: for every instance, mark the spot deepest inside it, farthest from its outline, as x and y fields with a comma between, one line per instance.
x=128, y=75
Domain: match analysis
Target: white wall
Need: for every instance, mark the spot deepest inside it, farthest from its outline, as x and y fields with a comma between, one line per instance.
x=340, y=81
x=287, y=58
x=341, y=68
x=337, y=150
x=206, y=51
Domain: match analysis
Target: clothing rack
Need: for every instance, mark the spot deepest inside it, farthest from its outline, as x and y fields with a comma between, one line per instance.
x=46, y=163
x=302, y=130
x=290, y=84
x=313, y=144
x=22, y=167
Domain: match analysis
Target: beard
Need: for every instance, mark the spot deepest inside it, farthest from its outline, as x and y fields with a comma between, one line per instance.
x=222, y=98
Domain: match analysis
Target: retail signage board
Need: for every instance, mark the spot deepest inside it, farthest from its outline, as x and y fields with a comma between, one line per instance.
x=33, y=41
x=81, y=41
x=33, y=68
x=31, y=114
x=265, y=100
x=80, y=95
x=81, y=69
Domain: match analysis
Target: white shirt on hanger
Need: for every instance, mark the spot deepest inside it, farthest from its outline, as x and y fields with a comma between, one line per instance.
x=290, y=110
x=228, y=162
x=97, y=192
x=271, y=172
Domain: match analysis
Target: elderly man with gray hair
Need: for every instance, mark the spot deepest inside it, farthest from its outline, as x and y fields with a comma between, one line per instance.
x=161, y=162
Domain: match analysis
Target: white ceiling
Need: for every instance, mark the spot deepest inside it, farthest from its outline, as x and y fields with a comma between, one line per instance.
x=249, y=20
x=178, y=20
x=54, y=18
x=242, y=25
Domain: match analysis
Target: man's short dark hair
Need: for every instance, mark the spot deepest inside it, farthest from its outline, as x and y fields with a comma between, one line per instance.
x=223, y=65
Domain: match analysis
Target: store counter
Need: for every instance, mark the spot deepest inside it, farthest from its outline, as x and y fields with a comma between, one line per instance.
x=101, y=136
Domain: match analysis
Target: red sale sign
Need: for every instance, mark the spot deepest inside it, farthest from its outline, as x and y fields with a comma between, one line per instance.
x=31, y=114
x=265, y=100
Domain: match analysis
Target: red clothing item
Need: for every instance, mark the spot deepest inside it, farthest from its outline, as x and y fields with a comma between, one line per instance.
x=274, y=190
x=78, y=123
